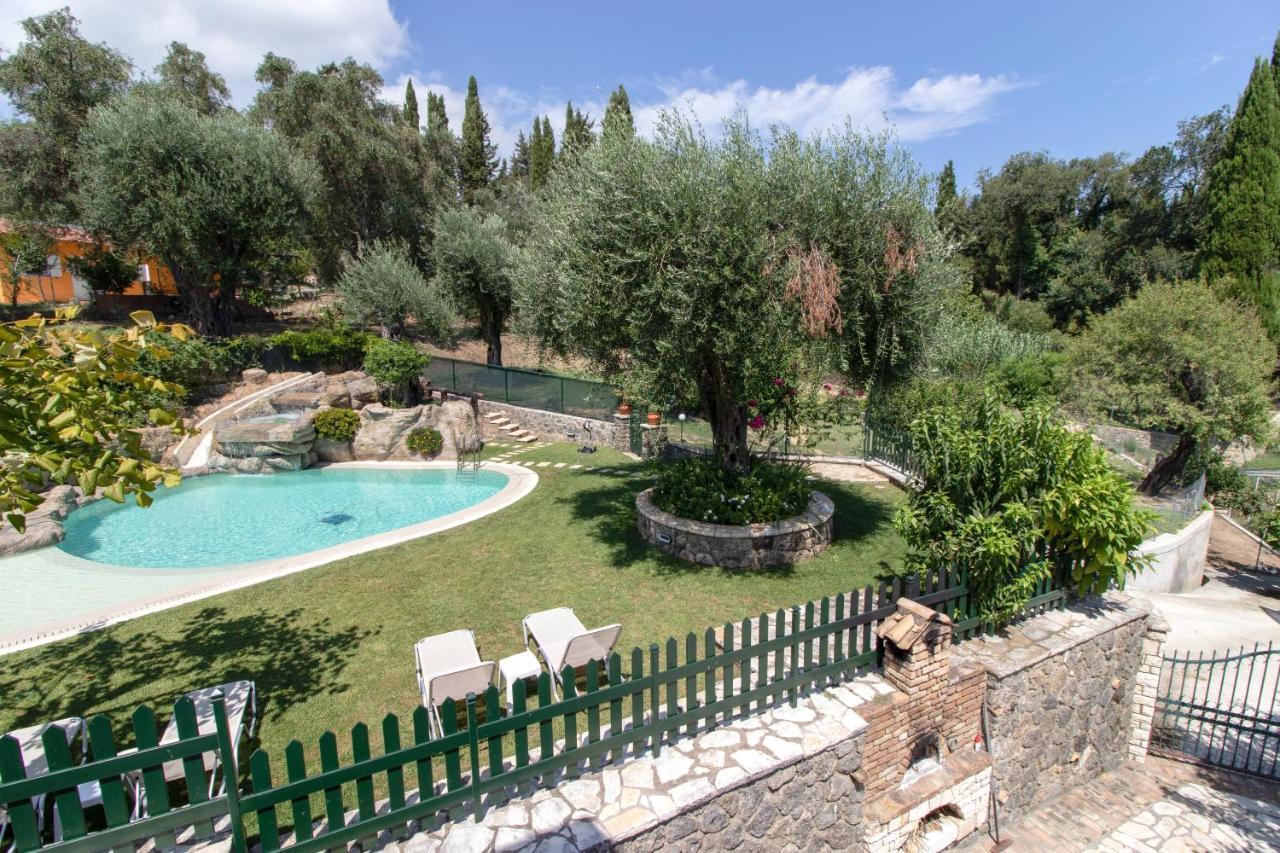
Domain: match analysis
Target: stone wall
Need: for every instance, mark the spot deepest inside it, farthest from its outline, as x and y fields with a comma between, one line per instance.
x=738, y=546
x=1121, y=437
x=813, y=804
x=554, y=426
x=1146, y=686
x=1060, y=696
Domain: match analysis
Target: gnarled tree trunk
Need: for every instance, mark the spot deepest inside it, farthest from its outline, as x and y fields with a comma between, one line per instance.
x=1169, y=466
x=726, y=415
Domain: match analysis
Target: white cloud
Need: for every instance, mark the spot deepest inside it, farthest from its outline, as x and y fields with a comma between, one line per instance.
x=233, y=34
x=867, y=97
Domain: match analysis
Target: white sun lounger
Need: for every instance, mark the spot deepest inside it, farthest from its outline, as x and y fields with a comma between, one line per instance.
x=241, y=700
x=449, y=667
x=563, y=640
x=31, y=743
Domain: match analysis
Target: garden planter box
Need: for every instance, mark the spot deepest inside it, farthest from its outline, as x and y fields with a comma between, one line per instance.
x=730, y=546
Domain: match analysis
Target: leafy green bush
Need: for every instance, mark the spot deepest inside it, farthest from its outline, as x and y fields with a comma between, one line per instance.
x=194, y=363
x=704, y=490
x=329, y=347
x=1032, y=378
x=424, y=441
x=337, y=424
x=395, y=365
x=1001, y=489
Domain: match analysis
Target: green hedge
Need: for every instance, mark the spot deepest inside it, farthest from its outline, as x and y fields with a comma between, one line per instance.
x=703, y=490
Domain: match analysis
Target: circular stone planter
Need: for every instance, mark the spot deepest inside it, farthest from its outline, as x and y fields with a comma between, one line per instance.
x=732, y=546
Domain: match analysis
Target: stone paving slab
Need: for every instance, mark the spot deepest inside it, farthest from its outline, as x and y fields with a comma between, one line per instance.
x=1159, y=805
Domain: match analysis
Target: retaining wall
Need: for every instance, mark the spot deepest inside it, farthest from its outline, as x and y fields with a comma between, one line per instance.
x=1061, y=697
x=1177, y=559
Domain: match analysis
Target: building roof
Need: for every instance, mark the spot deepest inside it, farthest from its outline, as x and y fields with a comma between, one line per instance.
x=906, y=625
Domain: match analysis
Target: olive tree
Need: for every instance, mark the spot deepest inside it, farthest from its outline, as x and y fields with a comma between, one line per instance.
x=1177, y=357
x=384, y=286
x=720, y=269
x=69, y=399
x=219, y=200
x=474, y=260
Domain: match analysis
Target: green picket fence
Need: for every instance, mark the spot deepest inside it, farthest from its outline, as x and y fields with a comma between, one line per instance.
x=487, y=747
x=116, y=776
x=531, y=389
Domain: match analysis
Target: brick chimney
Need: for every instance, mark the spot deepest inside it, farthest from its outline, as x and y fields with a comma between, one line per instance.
x=917, y=647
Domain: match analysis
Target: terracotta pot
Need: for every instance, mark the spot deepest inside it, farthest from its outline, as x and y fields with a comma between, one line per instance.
x=624, y=408
x=654, y=418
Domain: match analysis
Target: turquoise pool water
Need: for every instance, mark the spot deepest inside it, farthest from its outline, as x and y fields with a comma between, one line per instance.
x=224, y=519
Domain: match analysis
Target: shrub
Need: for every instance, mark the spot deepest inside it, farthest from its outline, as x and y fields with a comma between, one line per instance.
x=395, y=365
x=1032, y=379
x=329, y=347
x=194, y=363
x=703, y=490
x=337, y=424
x=424, y=441
x=1001, y=489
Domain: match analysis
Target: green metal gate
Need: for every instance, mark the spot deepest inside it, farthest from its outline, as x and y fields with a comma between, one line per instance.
x=1222, y=710
x=635, y=431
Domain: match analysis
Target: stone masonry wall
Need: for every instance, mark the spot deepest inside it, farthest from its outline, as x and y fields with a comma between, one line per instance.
x=813, y=804
x=553, y=426
x=1061, y=697
x=1147, y=684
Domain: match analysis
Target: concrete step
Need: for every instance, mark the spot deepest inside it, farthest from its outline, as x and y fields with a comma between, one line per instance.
x=527, y=439
x=496, y=416
x=518, y=433
x=509, y=427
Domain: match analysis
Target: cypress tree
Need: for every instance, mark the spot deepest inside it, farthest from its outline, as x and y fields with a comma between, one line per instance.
x=542, y=151
x=520, y=159
x=478, y=160
x=411, y=105
x=436, y=115
x=1242, y=231
x=618, y=121
x=577, y=131
x=946, y=189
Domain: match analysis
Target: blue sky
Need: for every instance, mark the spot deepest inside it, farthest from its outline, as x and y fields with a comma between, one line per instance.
x=970, y=81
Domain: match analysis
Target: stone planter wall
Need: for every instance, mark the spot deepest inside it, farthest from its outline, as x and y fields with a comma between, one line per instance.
x=738, y=547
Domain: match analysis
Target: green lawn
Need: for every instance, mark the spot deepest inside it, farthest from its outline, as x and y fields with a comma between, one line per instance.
x=334, y=645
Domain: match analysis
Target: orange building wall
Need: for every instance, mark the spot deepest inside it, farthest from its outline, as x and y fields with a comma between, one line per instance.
x=61, y=288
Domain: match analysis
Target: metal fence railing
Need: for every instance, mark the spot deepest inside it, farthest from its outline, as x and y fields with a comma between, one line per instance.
x=531, y=389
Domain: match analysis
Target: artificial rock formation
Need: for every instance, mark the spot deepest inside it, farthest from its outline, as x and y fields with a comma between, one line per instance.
x=383, y=430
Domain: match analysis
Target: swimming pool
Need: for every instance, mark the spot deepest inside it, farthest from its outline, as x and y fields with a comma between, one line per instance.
x=223, y=519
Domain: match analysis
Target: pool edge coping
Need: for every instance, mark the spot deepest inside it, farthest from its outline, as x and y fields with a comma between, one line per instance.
x=520, y=482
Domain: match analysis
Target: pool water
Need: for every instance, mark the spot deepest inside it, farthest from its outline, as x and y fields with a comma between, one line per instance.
x=225, y=519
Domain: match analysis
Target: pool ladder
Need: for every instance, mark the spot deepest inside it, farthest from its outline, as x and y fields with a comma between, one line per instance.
x=469, y=462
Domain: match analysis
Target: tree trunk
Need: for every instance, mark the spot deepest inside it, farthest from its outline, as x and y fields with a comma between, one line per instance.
x=1169, y=466
x=209, y=313
x=491, y=322
x=727, y=416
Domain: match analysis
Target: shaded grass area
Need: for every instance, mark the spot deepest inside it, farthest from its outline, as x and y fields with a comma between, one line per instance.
x=333, y=646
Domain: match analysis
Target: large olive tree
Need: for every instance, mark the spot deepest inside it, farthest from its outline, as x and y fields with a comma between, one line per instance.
x=1177, y=357
x=722, y=269
x=221, y=201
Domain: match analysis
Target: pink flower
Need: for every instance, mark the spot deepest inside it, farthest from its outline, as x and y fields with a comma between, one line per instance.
x=777, y=381
x=844, y=392
x=826, y=386
x=757, y=422
x=751, y=404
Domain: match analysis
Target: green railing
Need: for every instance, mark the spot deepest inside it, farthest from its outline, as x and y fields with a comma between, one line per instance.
x=889, y=445
x=606, y=712
x=531, y=389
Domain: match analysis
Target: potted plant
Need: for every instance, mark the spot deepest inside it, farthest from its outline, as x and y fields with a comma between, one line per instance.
x=624, y=408
x=653, y=418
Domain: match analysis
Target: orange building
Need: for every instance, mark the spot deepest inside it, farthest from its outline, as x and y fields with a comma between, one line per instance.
x=58, y=283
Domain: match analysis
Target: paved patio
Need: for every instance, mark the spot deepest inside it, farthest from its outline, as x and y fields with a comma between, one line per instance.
x=1160, y=805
